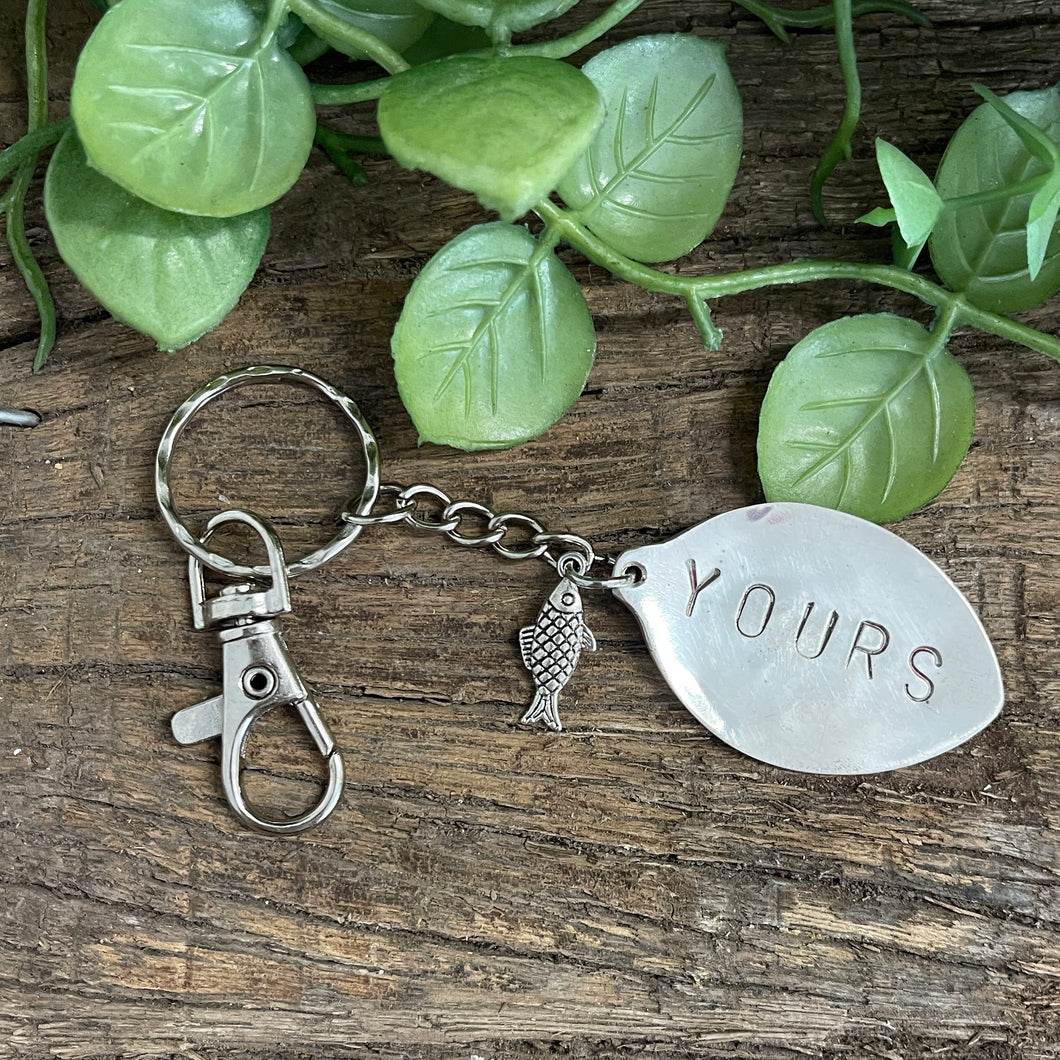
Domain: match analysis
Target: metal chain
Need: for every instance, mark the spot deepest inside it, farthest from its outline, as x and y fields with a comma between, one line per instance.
x=473, y=525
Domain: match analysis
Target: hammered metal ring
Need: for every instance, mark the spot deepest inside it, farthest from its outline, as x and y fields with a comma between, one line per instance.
x=266, y=373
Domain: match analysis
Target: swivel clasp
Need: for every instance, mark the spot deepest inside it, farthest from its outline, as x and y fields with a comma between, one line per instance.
x=259, y=675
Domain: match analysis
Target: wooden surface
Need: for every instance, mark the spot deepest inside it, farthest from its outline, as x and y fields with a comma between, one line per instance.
x=631, y=886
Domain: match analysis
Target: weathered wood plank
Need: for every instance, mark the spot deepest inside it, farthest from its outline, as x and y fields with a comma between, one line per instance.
x=631, y=886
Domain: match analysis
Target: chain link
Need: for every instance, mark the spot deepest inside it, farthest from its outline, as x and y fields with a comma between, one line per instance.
x=473, y=525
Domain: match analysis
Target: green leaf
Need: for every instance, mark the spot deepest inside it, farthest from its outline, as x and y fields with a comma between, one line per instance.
x=1041, y=220
x=504, y=128
x=397, y=23
x=916, y=203
x=445, y=37
x=878, y=218
x=655, y=179
x=868, y=414
x=1036, y=142
x=982, y=249
x=494, y=342
x=501, y=18
x=172, y=276
x=183, y=105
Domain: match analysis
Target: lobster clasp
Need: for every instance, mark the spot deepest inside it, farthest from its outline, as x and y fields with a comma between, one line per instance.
x=258, y=676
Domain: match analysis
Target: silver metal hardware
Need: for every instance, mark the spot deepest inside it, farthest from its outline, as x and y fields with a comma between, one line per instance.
x=814, y=640
x=571, y=555
x=258, y=676
x=799, y=635
x=221, y=385
x=551, y=648
x=19, y=418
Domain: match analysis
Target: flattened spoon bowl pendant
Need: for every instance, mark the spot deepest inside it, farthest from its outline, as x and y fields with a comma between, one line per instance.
x=814, y=640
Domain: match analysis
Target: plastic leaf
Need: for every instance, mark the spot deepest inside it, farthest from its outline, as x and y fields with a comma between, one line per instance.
x=1036, y=142
x=983, y=249
x=868, y=414
x=878, y=218
x=916, y=203
x=1041, y=220
x=185, y=106
x=495, y=340
x=655, y=179
x=501, y=18
x=169, y=275
x=397, y=23
x=504, y=128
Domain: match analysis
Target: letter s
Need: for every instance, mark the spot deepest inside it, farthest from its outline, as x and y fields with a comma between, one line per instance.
x=936, y=658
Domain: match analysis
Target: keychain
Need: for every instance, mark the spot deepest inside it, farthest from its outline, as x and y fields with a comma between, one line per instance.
x=804, y=637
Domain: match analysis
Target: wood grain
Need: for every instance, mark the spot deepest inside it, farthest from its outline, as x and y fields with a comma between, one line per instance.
x=629, y=887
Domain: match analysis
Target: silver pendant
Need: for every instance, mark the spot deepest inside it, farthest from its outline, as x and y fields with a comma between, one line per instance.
x=551, y=648
x=813, y=640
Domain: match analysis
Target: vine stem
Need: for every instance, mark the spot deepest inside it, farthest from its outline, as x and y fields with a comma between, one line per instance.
x=838, y=147
x=561, y=47
x=277, y=12
x=315, y=17
x=568, y=227
x=333, y=95
x=779, y=19
x=30, y=146
x=326, y=95
x=14, y=200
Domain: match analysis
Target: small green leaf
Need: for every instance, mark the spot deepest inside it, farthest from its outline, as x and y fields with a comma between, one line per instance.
x=655, y=179
x=172, y=276
x=982, y=249
x=878, y=218
x=1041, y=220
x=183, y=105
x=397, y=23
x=905, y=255
x=868, y=414
x=504, y=128
x=1036, y=142
x=916, y=203
x=494, y=342
x=501, y=18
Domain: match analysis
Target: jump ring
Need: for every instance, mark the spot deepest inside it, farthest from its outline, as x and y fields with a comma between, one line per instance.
x=222, y=384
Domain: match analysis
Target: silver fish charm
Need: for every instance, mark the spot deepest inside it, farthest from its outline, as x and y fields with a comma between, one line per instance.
x=551, y=648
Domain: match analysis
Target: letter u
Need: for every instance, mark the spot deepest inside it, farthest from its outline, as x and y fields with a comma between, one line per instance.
x=832, y=620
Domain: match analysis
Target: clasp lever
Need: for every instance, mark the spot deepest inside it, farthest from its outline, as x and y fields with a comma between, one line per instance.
x=258, y=676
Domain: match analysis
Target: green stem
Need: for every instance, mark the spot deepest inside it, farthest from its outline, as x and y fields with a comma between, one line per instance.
x=357, y=39
x=333, y=95
x=999, y=194
x=707, y=288
x=948, y=318
x=838, y=147
x=338, y=145
x=21, y=251
x=30, y=146
x=278, y=11
x=328, y=95
x=779, y=19
x=573, y=42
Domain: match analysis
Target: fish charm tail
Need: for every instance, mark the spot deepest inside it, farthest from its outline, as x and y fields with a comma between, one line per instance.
x=551, y=648
x=545, y=707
